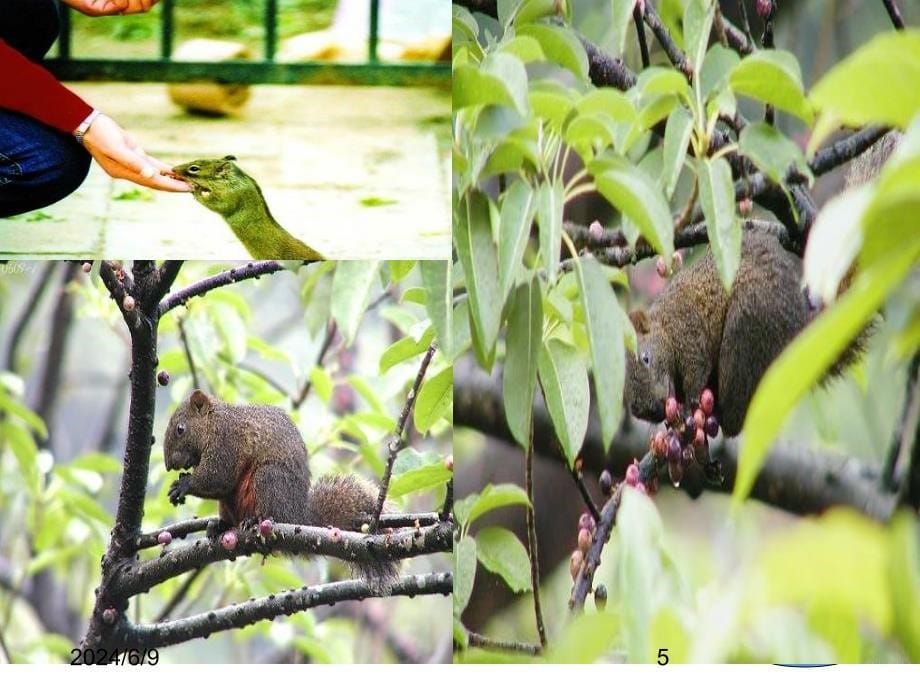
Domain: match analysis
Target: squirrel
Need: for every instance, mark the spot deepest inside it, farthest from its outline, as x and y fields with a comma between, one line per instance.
x=697, y=336
x=252, y=459
x=222, y=186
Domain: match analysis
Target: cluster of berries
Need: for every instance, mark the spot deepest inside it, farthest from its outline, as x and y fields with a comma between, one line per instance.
x=586, y=527
x=686, y=437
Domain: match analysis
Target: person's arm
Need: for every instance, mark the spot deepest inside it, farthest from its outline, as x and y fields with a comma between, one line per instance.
x=104, y=8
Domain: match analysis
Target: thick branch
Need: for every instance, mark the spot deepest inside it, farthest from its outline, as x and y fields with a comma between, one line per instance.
x=675, y=54
x=584, y=581
x=266, y=608
x=894, y=13
x=794, y=479
x=299, y=540
x=483, y=642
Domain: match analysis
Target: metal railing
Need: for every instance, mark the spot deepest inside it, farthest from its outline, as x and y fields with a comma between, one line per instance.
x=373, y=72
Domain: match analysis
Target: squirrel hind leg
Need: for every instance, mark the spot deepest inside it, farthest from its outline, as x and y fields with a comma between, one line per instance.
x=280, y=490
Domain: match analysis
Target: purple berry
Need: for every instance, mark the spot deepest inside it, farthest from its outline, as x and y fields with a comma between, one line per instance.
x=764, y=8
x=707, y=402
x=163, y=377
x=711, y=427
x=228, y=540
x=586, y=521
x=164, y=538
x=600, y=597
x=674, y=449
x=266, y=527
x=671, y=410
x=606, y=482
x=632, y=475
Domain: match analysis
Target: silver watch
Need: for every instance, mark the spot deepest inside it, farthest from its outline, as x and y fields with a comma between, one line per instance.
x=84, y=126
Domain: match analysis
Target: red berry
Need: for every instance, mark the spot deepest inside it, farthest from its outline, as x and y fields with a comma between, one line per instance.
x=164, y=538
x=700, y=438
x=163, y=377
x=228, y=540
x=596, y=231
x=586, y=521
x=128, y=303
x=266, y=527
x=699, y=417
x=632, y=474
x=712, y=427
x=764, y=8
x=449, y=463
x=660, y=444
x=671, y=409
x=87, y=267
x=745, y=207
x=575, y=563
x=661, y=267
x=707, y=402
x=584, y=540
x=109, y=616
x=336, y=535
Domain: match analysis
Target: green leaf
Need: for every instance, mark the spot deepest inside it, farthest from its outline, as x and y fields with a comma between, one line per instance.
x=903, y=573
x=698, y=16
x=351, y=289
x=804, y=361
x=605, y=338
x=638, y=198
x=717, y=197
x=25, y=451
x=435, y=400
x=560, y=45
x=519, y=378
x=493, y=496
x=551, y=102
x=500, y=552
x=414, y=471
x=14, y=408
x=525, y=48
x=662, y=81
x=400, y=269
x=834, y=242
x=621, y=20
x=464, y=573
x=405, y=349
x=477, y=254
x=437, y=278
x=531, y=10
x=96, y=462
x=516, y=217
x=717, y=67
x=609, y=102
x=565, y=388
x=772, y=152
x=877, y=83
x=499, y=80
x=54, y=556
x=676, y=140
x=549, y=218
x=322, y=383
x=773, y=76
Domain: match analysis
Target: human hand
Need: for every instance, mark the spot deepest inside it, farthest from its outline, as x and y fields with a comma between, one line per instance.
x=104, y=8
x=119, y=154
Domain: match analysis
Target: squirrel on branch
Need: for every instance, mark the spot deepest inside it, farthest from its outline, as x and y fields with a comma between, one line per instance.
x=252, y=459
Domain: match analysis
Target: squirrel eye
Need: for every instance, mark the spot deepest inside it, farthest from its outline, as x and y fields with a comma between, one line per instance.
x=181, y=428
x=646, y=358
x=193, y=169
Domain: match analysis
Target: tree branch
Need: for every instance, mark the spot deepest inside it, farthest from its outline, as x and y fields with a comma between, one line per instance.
x=532, y=541
x=793, y=478
x=483, y=642
x=584, y=581
x=266, y=608
x=894, y=13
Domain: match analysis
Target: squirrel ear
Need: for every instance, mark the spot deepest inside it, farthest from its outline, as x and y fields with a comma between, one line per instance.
x=200, y=401
x=640, y=321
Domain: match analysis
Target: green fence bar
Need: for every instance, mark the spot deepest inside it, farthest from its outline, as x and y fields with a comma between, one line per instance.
x=374, y=32
x=266, y=71
x=271, y=29
x=167, y=28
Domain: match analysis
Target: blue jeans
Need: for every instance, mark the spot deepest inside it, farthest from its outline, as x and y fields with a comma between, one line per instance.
x=38, y=164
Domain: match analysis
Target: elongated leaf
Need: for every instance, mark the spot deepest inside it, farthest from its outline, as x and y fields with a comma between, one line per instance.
x=435, y=400
x=717, y=197
x=607, y=101
x=404, y=349
x=437, y=277
x=621, y=21
x=638, y=198
x=464, y=573
x=549, y=218
x=676, y=140
x=517, y=214
x=698, y=16
x=560, y=45
x=519, y=379
x=605, y=337
x=500, y=552
x=772, y=152
x=564, y=380
x=773, y=76
x=804, y=361
x=478, y=256
x=499, y=80
x=877, y=83
x=351, y=289
x=493, y=496
x=834, y=242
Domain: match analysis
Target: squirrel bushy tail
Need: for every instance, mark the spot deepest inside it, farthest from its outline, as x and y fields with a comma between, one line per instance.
x=346, y=501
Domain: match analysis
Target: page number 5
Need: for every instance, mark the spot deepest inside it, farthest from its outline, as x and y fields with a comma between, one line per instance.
x=663, y=656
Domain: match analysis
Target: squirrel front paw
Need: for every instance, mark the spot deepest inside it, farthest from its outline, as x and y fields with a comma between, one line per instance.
x=179, y=489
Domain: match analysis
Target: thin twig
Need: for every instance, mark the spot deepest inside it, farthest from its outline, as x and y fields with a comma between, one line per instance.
x=894, y=13
x=396, y=442
x=183, y=338
x=767, y=42
x=532, y=540
x=331, y=330
x=640, y=34
x=483, y=642
x=29, y=309
x=745, y=22
x=578, y=476
x=584, y=581
x=674, y=53
x=902, y=430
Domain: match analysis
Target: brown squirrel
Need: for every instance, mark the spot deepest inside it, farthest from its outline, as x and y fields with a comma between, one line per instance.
x=252, y=459
x=697, y=336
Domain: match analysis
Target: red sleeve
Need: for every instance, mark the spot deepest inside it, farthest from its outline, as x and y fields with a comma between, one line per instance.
x=31, y=89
